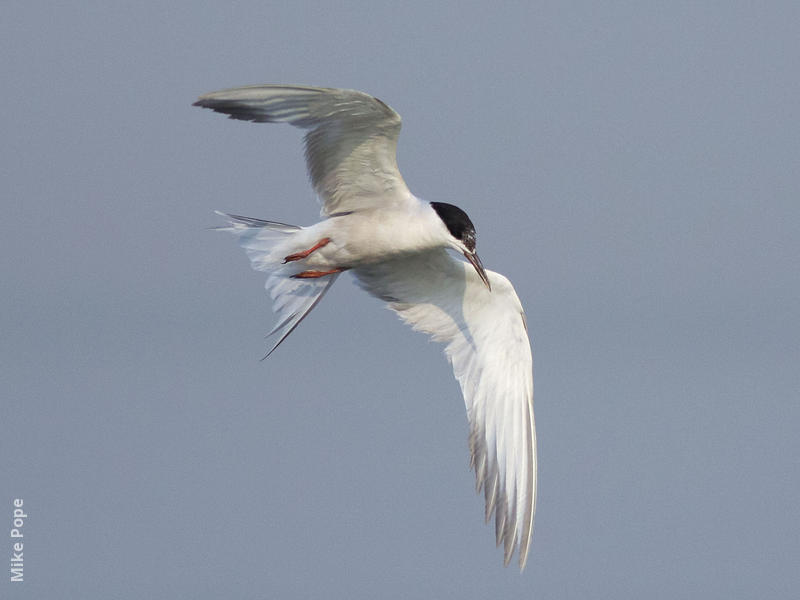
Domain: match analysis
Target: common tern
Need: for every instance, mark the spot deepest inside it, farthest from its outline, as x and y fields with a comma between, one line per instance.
x=396, y=246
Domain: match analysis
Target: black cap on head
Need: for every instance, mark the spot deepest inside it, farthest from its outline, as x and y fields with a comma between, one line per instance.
x=457, y=223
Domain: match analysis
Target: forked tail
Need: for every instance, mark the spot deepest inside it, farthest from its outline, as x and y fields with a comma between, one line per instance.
x=292, y=298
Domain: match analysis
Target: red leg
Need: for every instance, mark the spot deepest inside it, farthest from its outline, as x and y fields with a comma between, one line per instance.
x=301, y=255
x=317, y=274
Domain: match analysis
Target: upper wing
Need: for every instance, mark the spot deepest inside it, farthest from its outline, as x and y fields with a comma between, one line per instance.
x=350, y=148
x=487, y=344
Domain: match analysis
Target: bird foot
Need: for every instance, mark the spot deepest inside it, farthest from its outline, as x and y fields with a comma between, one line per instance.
x=304, y=254
x=317, y=274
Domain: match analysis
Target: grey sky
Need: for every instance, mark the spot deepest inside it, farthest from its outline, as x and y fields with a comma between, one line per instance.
x=631, y=167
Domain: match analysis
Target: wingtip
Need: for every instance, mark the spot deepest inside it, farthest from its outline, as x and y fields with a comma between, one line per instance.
x=223, y=214
x=204, y=101
x=523, y=559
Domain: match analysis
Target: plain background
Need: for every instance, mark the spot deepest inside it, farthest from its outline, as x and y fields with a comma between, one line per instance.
x=632, y=167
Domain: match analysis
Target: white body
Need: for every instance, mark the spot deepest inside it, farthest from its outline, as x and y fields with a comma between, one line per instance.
x=366, y=237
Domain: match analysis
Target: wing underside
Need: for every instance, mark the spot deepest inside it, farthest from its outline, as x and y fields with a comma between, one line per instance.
x=487, y=344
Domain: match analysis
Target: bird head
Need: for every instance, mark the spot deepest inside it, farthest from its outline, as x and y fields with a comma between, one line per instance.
x=462, y=232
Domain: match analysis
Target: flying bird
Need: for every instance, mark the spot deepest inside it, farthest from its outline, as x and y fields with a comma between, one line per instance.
x=398, y=247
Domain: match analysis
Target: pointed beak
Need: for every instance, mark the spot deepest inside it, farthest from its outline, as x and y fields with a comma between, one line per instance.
x=475, y=261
